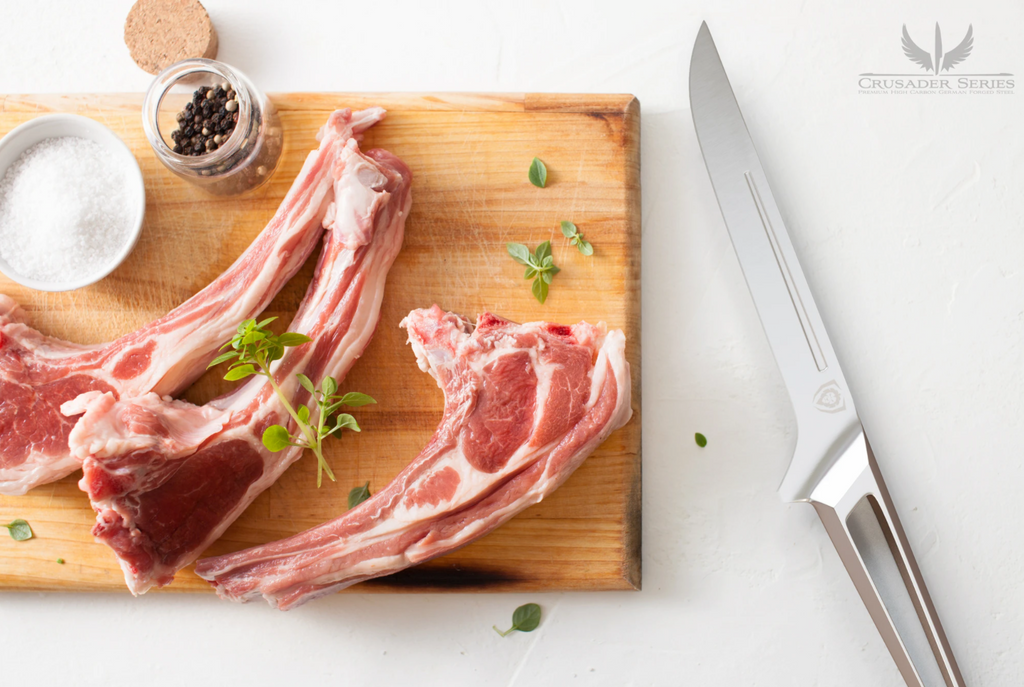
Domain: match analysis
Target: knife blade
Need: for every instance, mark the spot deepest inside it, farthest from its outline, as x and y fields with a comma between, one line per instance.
x=833, y=466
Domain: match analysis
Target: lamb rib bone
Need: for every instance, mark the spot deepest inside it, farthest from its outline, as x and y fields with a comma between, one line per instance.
x=38, y=373
x=166, y=477
x=524, y=406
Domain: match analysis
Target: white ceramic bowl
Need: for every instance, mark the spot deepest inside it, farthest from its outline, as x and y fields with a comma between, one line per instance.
x=31, y=132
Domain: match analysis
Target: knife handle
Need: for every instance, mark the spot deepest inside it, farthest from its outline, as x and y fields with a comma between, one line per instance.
x=857, y=511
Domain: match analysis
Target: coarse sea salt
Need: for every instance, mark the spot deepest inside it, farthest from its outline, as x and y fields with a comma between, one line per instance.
x=66, y=210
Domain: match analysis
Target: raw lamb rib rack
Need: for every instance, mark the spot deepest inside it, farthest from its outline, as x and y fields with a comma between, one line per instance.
x=166, y=477
x=524, y=406
x=39, y=373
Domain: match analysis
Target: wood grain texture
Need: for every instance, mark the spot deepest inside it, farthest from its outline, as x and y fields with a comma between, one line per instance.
x=469, y=155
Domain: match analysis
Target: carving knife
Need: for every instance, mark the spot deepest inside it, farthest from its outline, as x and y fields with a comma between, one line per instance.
x=833, y=467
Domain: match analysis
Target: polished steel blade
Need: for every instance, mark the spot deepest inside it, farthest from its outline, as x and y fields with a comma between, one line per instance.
x=826, y=418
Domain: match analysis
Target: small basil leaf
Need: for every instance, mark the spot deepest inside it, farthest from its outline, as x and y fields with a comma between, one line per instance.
x=540, y=290
x=585, y=247
x=526, y=618
x=306, y=383
x=357, y=495
x=548, y=261
x=569, y=229
x=543, y=251
x=252, y=337
x=547, y=277
x=240, y=372
x=264, y=323
x=19, y=530
x=701, y=440
x=531, y=272
x=553, y=270
x=276, y=438
x=222, y=358
x=538, y=173
x=519, y=253
x=292, y=339
x=354, y=399
x=346, y=421
x=303, y=413
x=329, y=385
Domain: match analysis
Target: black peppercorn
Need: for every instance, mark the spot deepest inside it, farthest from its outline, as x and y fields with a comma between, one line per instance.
x=211, y=114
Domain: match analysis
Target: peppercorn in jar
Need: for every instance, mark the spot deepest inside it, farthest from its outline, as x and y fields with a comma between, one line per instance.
x=209, y=125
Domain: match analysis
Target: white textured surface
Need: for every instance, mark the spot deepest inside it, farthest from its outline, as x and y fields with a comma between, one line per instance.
x=907, y=212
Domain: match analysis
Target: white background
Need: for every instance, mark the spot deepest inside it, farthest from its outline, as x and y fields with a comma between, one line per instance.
x=907, y=213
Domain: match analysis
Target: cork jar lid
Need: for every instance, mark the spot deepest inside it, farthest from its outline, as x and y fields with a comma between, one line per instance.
x=159, y=33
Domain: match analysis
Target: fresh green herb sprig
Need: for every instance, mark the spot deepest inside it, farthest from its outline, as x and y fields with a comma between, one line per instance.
x=526, y=618
x=19, y=530
x=538, y=173
x=357, y=495
x=253, y=349
x=570, y=232
x=540, y=266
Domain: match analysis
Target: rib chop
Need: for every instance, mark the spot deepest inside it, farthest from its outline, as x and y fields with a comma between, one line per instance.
x=166, y=477
x=524, y=406
x=38, y=373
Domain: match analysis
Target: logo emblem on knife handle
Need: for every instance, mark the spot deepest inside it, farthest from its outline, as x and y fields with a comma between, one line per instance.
x=829, y=398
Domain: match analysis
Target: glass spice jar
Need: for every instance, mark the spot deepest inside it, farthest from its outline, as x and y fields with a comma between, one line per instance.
x=245, y=159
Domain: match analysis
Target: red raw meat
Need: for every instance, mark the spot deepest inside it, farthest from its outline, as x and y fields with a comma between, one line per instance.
x=166, y=477
x=524, y=406
x=39, y=373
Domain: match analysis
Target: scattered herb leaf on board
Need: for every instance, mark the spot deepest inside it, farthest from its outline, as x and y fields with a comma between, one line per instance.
x=253, y=349
x=538, y=173
x=19, y=530
x=526, y=618
x=357, y=495
x=61, y=561
x=701, y=440
x=540, y=266
x=570, y=232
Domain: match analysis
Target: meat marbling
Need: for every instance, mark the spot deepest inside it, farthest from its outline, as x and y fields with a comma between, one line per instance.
x=38, y=373
x=166, y=477
x=524, y=406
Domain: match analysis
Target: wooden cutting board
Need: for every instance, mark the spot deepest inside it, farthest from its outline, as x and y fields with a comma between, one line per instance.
x=469, y=155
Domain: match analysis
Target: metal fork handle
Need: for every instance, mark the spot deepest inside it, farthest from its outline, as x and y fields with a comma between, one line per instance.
x=857, y=511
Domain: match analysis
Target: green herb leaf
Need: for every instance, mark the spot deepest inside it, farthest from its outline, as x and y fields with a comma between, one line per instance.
x=538, y=173
x=571, y=232
x=329, y=385
x=543, y=252
x=540, y=290
x=240, y=372
x=526, y=618
x=19, y=530
x=357, y=495
x=346, y=421
x=290, y=339
x=230, y=355
x=354, y=399
x=701, y=440
x=303, y=413
x=306, y=383
x=61, y=561
x=276, y=438
x=519, y=253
